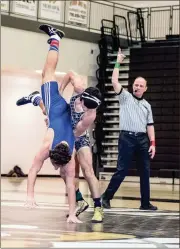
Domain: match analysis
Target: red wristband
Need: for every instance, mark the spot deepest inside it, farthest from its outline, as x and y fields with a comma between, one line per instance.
x=153, y=143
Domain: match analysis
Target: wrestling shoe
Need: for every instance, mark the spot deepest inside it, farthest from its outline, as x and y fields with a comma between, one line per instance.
x=51, y=31
x=81, y=207
x=98, y=215
x=27, y=100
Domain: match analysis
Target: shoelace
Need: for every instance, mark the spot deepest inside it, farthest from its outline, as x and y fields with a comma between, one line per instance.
x=51, y=30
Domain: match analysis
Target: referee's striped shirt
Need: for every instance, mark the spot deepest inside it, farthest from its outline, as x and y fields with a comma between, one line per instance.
x=134, y=114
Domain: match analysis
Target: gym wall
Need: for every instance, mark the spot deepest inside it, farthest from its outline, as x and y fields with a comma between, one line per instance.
x=28, y=50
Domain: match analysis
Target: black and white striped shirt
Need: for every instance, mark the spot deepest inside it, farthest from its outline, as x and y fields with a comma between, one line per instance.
x=134, y=114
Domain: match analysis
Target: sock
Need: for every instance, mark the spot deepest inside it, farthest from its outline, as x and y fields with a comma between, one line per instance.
x=79, y=196
x=54, y=44
x=36, y=99
x=97, y=202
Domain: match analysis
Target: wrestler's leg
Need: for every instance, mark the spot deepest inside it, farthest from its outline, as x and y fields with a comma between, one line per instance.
x=85, y=160
x=81, y=203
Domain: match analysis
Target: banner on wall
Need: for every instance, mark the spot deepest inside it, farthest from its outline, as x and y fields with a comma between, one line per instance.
x=27, y=8
x=4, y=6
x=50, y=10
x=77, y=13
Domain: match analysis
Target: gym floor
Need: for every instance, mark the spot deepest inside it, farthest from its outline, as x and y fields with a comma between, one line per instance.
x=124, y=226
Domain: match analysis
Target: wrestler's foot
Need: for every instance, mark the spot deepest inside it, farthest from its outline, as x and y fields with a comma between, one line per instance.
x=82, y=206
x=28, y=99
x=98, y=215
x=51, y=31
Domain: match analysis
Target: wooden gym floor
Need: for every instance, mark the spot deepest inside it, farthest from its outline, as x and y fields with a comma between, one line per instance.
x=124, y=226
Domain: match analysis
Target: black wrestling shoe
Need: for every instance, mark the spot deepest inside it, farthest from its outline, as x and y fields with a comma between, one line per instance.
x=26, y=100
x=49, y=30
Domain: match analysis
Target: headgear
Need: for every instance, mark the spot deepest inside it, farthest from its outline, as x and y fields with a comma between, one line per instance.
x=90, y=101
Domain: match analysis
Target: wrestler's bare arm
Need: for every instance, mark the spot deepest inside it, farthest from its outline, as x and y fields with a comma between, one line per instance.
x=39, y=159
x=65, y=81
x=77, y=81
x=87, y=120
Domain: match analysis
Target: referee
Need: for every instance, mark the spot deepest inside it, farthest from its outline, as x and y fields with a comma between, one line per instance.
x=137, y=137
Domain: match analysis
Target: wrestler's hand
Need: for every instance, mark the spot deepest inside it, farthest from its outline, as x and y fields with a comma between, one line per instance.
x=46, y=122
x=120, y=56
x=73, y=219
x=44, y=111
x=30, y=203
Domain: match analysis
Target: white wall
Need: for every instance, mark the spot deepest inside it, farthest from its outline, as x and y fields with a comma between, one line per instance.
x=22, y=128
x=28, y=50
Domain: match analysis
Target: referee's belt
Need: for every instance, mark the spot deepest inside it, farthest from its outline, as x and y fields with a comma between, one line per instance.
x=133, y=133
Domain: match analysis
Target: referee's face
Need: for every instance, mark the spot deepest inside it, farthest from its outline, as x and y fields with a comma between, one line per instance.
x=139, y=86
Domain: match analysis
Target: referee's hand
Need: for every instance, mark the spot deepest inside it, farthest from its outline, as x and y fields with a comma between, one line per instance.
x=152, y=151
x=120, y=56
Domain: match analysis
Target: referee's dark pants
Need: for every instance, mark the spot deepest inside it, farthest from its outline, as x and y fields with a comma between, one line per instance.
x=128, y=144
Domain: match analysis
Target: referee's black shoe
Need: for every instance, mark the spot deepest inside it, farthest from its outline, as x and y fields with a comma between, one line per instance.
x=150, y=207
x=105, y=202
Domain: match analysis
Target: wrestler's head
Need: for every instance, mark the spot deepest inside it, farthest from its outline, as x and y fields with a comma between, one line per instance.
x=91, y=98
x=60, y=155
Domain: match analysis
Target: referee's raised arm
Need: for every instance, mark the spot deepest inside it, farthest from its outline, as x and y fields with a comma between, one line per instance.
x=116, y=85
